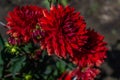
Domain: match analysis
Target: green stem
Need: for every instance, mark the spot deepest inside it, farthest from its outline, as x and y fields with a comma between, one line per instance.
x=2, y=41
x=56, y=1
x=50, y=2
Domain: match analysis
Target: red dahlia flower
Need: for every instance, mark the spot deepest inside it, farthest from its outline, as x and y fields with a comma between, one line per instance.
x=22, y=24
x=93, y=52
x=88, y=58
x=64, y=30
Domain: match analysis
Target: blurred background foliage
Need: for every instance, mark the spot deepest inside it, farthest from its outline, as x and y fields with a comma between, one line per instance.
x=102, y=15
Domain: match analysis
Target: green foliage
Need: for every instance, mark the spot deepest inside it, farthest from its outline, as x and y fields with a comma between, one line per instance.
x=20, y=63
x=45, y=3
x=16, y=64
x=1, y=66
x=63, y=2
x=1, y=60
x=1, y=42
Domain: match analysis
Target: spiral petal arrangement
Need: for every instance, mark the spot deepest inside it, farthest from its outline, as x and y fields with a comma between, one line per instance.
x=22, y=24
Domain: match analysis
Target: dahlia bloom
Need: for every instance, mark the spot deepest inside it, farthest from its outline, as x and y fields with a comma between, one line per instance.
x=64, y=31
x=22, y=24
x=88, y=58
x=93, y=52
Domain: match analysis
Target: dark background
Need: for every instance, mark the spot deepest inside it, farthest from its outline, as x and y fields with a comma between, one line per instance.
x=102, y=15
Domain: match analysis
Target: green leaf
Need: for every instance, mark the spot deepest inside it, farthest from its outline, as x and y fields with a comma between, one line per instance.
x=61, y=66
x=27, y=48
x=64, y=2
x=48, y=70
x=55, y=73
x=1, y=66
x=1, y=42
x=16, y=64
x=45, y=3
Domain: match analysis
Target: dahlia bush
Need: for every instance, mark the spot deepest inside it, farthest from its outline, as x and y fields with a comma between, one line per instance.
x=50, y=45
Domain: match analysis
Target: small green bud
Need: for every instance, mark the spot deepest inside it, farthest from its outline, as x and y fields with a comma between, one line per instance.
x=28, y=77
x=37, y=26
x=13, y=50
